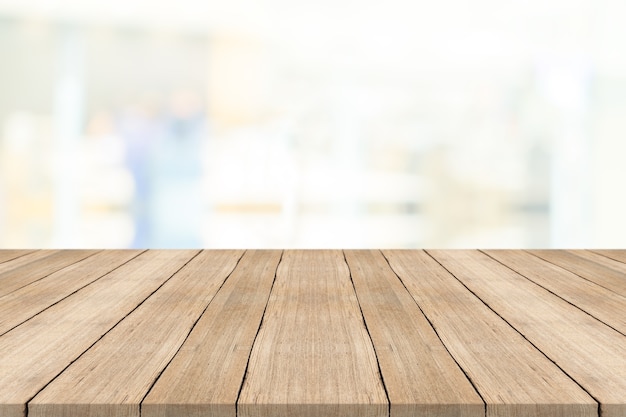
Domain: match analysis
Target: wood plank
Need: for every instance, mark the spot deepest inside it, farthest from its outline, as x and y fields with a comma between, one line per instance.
x=43, y=293
x=593, y=354
x=603, y=304
x=33, y=354
x=312, y=355
x=511, y=375
x=10, y=254
x=27, y=270
x=112, y=377
x=15, y=263
x=618, y=255
x=205, y=377
x=420, y=376
x=601, y=274
x=602, y=260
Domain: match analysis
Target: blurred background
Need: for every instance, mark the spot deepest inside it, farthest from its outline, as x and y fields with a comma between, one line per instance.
x=275, y=123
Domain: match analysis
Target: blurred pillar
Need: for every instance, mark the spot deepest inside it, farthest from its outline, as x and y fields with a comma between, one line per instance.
x=565, y=84
x=68, y=116
x=346, y=150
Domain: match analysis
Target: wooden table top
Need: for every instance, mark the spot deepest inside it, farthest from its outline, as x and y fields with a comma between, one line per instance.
x=179, y=333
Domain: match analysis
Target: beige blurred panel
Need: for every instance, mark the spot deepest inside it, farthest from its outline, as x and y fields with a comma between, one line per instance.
x=238, y=80
x=25, y=187
x=608, y=201
x=456, y=207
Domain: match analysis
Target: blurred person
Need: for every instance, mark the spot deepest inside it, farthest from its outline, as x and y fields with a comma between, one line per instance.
x=177, y=203
x=140, y=128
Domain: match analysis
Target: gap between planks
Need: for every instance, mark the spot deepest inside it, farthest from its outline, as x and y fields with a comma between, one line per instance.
x=222, y=341
x=582, y=346
x=113, y=376
x=512, y=376
x=32, y=267
x=258, y=330
x=37, y=351
x=595, y=300
x=56, y=287
x=313, y=355
x=10, y=254
x=420, y=375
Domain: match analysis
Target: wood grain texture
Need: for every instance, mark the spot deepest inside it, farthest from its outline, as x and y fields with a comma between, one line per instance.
x=605, y=261
x=27, y=269
x=512, y=376
x=601, y=259
x=112, y=377
x=593, y=354
x=18, y=262
x=421, y=377
x=161, y=334
x=312, y=355
x=9, y=254
x=205, y=377
x=618, y=255
x=599, y=273
x=34, y=353
x=603, y=304
x=56, y=286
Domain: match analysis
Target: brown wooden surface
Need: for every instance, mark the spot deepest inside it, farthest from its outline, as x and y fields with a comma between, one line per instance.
x=617, y=255
x=420, y=376
x=576, y=262
x=37, y=351
x=114, y=376
x=9, y=254
x=601, y=303
x=166, y=333
x=312, y=356
x=56, y=286
x=222, y=341
x=511, y=375
x=590, y=352
x=11, y=262
x=32, y=267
